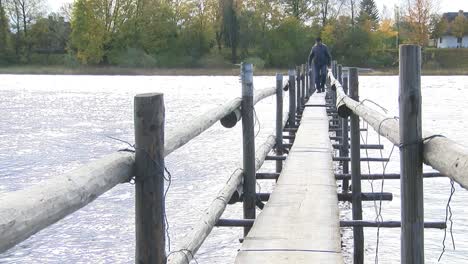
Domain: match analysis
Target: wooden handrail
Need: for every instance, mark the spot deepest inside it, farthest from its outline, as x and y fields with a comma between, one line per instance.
x=443, y=154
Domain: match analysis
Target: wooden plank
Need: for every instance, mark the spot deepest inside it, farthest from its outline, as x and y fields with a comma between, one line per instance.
x=300, y=222
x=208, y=219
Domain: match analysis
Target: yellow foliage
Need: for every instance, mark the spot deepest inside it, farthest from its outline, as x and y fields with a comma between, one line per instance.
x=328, y=34
x=386, y=28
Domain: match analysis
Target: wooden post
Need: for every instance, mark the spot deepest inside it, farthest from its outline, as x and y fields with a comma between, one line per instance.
x=411, y=159
x=312, y=79
x=248, y=143
x=298, y=90
x=292, y=99
x=332, y=66
x=356, y=170
x=307, y=81
x=279, y=121
x=149, y=179
x=345, y=148
x=303, y=89
x=338, y=77
x=334, y=70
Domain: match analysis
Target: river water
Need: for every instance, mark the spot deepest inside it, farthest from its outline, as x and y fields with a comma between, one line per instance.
x=50, y=125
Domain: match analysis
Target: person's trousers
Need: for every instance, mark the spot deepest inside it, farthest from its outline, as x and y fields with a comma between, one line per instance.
x=320, y=76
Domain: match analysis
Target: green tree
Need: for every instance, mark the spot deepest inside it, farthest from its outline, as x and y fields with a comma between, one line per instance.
x=460, y=26
x=231, y=10
x=369, y=12
x=4, y=34
x=290, y=43
x=88, y=33
x=96, y=25
x=23, y=14
x=300, y=9
x=50, y=35
x=438, y=26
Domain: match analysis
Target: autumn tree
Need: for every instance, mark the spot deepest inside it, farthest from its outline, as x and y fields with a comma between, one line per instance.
x=460, y=26
x=438, y=26
x=418, y=18
x=96, y=24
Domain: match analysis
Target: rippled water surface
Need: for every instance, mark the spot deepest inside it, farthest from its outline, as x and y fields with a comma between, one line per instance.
x=50, y=125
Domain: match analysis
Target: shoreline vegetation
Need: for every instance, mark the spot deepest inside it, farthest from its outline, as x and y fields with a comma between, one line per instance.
x=129, y=71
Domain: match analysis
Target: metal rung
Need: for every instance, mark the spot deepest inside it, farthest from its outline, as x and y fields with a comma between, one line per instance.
x=388, y=224
x=267, y=176
x=275, y=158
x=235, y=222
x=289, y=136
x=315, y=105
x=347, y=197
x=337, y=146
x=290, y=129
x=362, y=159
x=389, y=176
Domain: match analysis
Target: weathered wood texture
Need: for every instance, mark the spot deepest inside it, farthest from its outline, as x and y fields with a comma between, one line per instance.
x=231, y=119
x=443, y=154
x=210, y=217
x=27, y=211
x=298, y=90
x=358, y=233
x=411, y=187
x=279, y=120
x=300, y=222
x=345, y=145
x=248, y=144
x=149, y=116
x=292, y=99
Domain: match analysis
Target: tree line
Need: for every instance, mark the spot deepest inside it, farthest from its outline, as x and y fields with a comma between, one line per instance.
x=212, y=33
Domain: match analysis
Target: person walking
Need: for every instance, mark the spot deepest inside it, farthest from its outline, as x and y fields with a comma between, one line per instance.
x=322, y=59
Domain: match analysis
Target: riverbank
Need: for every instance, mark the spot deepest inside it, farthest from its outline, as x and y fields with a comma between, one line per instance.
x=110, y=70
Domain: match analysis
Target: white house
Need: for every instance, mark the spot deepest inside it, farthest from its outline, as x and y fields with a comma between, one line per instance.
x=448, y=40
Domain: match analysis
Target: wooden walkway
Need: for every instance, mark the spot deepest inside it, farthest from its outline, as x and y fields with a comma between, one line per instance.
x=300, y=222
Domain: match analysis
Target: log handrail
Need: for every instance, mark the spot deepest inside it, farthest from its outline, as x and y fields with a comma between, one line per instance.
x=443, y=154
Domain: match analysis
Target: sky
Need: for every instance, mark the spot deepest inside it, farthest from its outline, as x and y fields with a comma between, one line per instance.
x=444, y=6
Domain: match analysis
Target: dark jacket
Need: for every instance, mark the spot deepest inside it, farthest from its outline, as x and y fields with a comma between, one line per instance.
x=320, y=55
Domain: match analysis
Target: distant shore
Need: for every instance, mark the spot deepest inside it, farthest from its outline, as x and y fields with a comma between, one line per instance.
x=112, y=70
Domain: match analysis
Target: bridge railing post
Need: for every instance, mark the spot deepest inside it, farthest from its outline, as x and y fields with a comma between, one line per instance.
x=150, y=227
x=338, y=77
x=298, y=90
x=312, y=79
x=279, y=121
x=412, y=204
x=345, y=142
x=292, y=99
x=358, y=234
x=248, y=144
x=303, y=89
x=307, y=81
